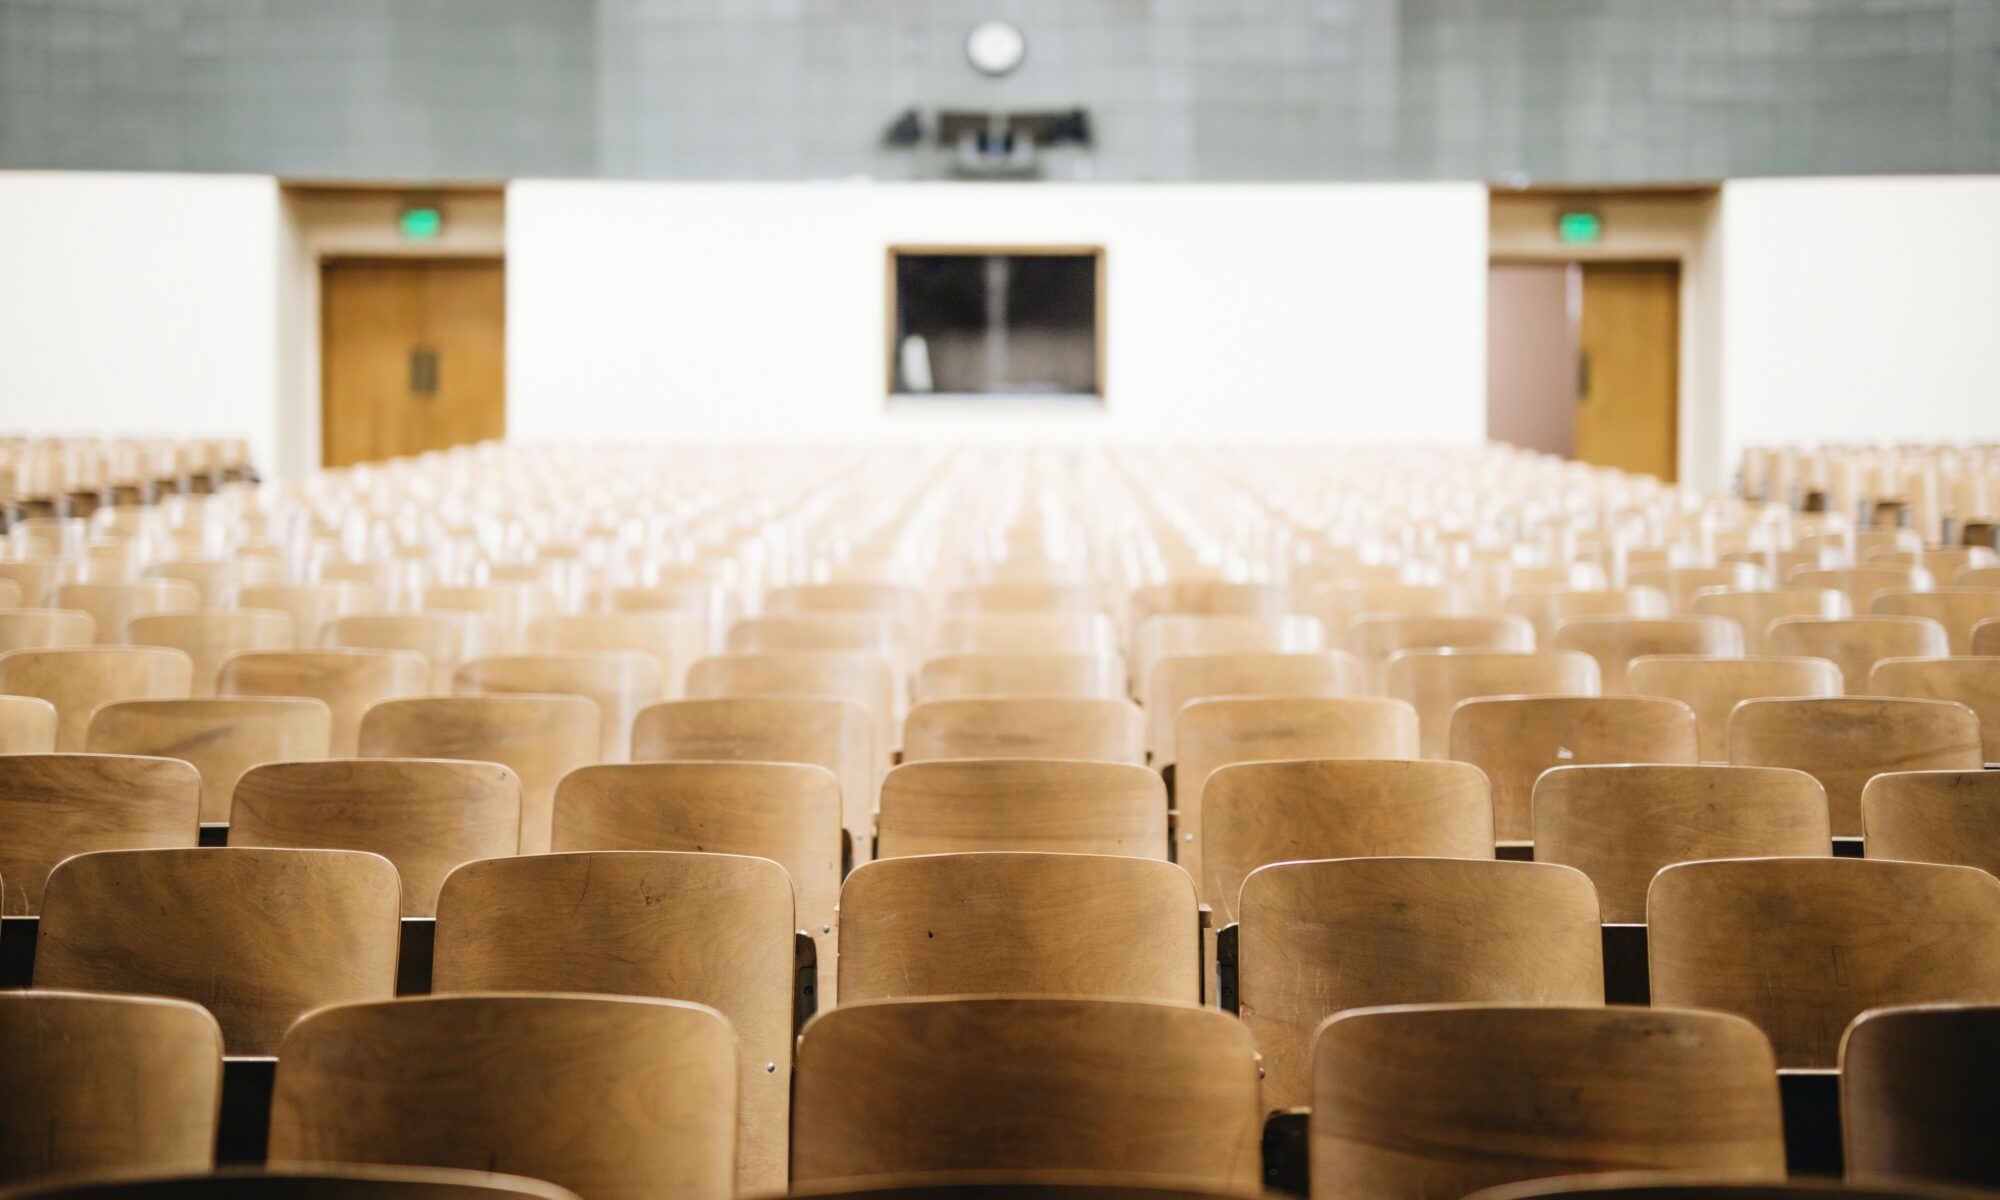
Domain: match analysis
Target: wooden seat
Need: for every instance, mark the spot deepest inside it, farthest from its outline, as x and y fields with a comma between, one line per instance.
x=1802, y=946
x=1621, y=824
x=1860, y=584
x=864, y=677
x=1119, y=1087
x=1438, y=1100
x=257, y=937
x=45, y=628
x=1317, y=938
x=1683, y=584
x=76, y=679
x=952, y=806
x=1916, y=1095
x=1028, y=633
x=209, y=636
x=310, y=605
x=27, y=725
x=1934, y=816
x=425, y=815
x=1845, y=741
x=618, y=683
x=346, y=681
x=1177, y=679
x=1713, y=687
x=672, y=639
x=619, y=1098
x=445, y=639
x=55, y=805
x=1515, y=738
x=1022, y=597
x=111, y=604
x=1615, y=641
x=541, y=738
x=1080, y=676
x=1259, y=813
x=326, y=1182
x=1374, y=639
x=106, y=1085
x=1547, y=607
x=1212, y=734
x=1973, y=682
x=221, y=737
x=1856, y=644
x=1435, y=681
x=1019, y=924
x=715, y=929
x=1181, y=635
x=1755, y=609
x=1025, y=727
x=1957, y=609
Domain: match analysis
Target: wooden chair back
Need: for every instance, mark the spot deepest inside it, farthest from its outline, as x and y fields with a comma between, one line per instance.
x=1916, y=1086
x=866, y=632
x=1973, y=682
x=209, y=636
x=1515, y=738
x=221, y=737
x=1434, y=682
x=111, y=604
x=1933, y=816
x=1374, y=639
x=955, y=806
x=1025, y=727
x=862, y=676
x=1615, y=641
x=1958, y=609
x=1683, y=584
x=1177, y=679
x=331, y=1181
x=1019, y=596
x=445, y=639
x=1754, y=609
x=1682, y=1185
x=346, y=681
x=45, y=628
x=673, y=640
x=310, y=605
x=897, y=601
x=1079, y=676
x=1028, y=633
x=1181, y=635
x=1860, y=584
x=38, y=576
x=618, y=683
x=1547, y=607
x=1845, y=741
x=77, y=679
x=27, y=725
x=504, y=609
x=1986, y=638
x=1713, y=687
x=1856, y=644
x=55, y=805
x=1339, y=606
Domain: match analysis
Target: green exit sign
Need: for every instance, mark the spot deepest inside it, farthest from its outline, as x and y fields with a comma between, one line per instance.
x=421, y=223
x=1579, y=227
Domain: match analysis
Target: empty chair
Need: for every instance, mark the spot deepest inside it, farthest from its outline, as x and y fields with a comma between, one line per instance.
x=1337, y=607
x=38, y=576
x=27, y=725
x=1856, y=644
x=1986, y=638
x=221, y=737
x=76, y=679
x=1621, y=824
x=1258, y=813
x=871, y=633
x=1845, y=741
x=1916, y=1094
x=1934, y=816
x=541, y=738
x=219, y=579
x=1026, y=727
x=111, y=604
x=1435, y=681
x=1374, y=639
x=209, y=636
x=310, y=605
x=445, y=639
x=618, y=1098
x=905, y=604
x=1802, y=946
x=1179, y=635
x=1713, y=687
x=10, y=594
x=1973, y=682
x=1957, y=609
x=1028, y=633
x=1980, y=577
x=1081, y=676
x=1860, y=584
x=505, y=609
x=672, y=639
x=1755, y=609
x=1438, y=1100
x=257, y=937
x=619, y=683
x=425, y=815
x=1116, y=1087
x=55, y=805
x=1515, y=738
x=951, y=806
x=1209, y=597
x=103, y=1085
x=715, y=929
x=1615, y=641
x=1943, y=562
x=1319, y=937
x=1019, y=924
x=346, y=681
x=331, y=1181
x=1547, y=607
x=1022, y=597
x=864, y=677
x=45, y=628
x=1682, y=584
x=1177, y=679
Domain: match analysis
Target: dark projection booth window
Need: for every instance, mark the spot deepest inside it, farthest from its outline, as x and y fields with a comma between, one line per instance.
x=1007, y=323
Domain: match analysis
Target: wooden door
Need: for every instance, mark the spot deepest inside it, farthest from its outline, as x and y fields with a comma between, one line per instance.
x=1628, y=380
x=412, y=356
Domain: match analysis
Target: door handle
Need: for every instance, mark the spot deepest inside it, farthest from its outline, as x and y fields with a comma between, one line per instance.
x=423, y=371
x=1582, y=376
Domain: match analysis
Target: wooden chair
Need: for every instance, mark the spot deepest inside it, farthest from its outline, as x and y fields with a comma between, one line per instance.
x=346, y=681
x=111, y=604
x=505, y=609
x=445, y=639
x=1212, y=734
x=866, y=632
x=898, y=601
x=1845, y=741
x=1439, y=1100
x=221, y=738
x=1802, y=946
x=1943, y=562
x=1019, y=1185
x=10, y=594
x=1338, y=607
x=27, y=725
x=1079, y=676
x=1683, y=584
x=310, y=605
x=1933, y=816
x=1181, y=635
x=618, y=683
x=1026, y=727
x=866, y=678
x=1615, y=641
x=953, y=806
x=1957, y=609
x=106, y=1085
x=1028, y=633
x=541, y=738
x=1259, y=813
x=710, y=604
x=1713, y=687
x=672, y=639
x=1023, y=597
x=1973, y=682
x=1435, y=681
x=1986, y=639
x=1209, y=597
x=1860, y=584
x=1754, y=610
x=1120, y=1087
x=1515, y=738
x=1979, y=577
x=55, y=805
x=1621, y=824
x=38, y=576
x=425, y=815
x=210, y=636
x=617, y=1097
x=323, y=1182
x=1915, y=1095
x=1547, y=607
x=76, y=679
x=218, y=579
x=257, y=937
x=1856, y=644
x=1316, y=938
x=714, y=929
x=1021, y=925
x=1374, y=639
x=1683, y=1185
x=1177, y=679
x=45, y=628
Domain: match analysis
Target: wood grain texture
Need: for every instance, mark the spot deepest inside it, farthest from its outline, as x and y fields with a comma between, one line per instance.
x=1621, y=824
x=1971, y=681
x=952, y=806
x=715, y=929
x=1845, y=741
x=673, y=639
x=1856, y=644
x=1515, y=738
x=866, y=678
x=1259, y=813
x=1958, y=609
x=1546, y=607
x=1916, y=1088
x=1122, y=1087
x=1082, y=676
x=76, y=679
x=310, y=605
x=106, y=1085
x=27, y=725
x=1028, y=633
x=1435, y=681
x=220, y=738
x=1713, y=687
x=257, y=937
x=540, y=738
x=617, y=1098
x=1025, y=727
x=1615, y=641
x=425, y=815
x=1320, y=937
x=1177, y=679
x=111, y=604
x=56, y=805
x=445, y=639
x=1934, y=816
x=1754, y=609
x=323, y=1182
x=346, y=681
x=1802, y=946
x=45, y=628
x=1438, y=1101
x=619, y=683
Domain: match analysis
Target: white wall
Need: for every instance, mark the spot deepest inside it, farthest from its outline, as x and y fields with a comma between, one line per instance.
x=139, y=304
x=757, y=310
x=1860, y=309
